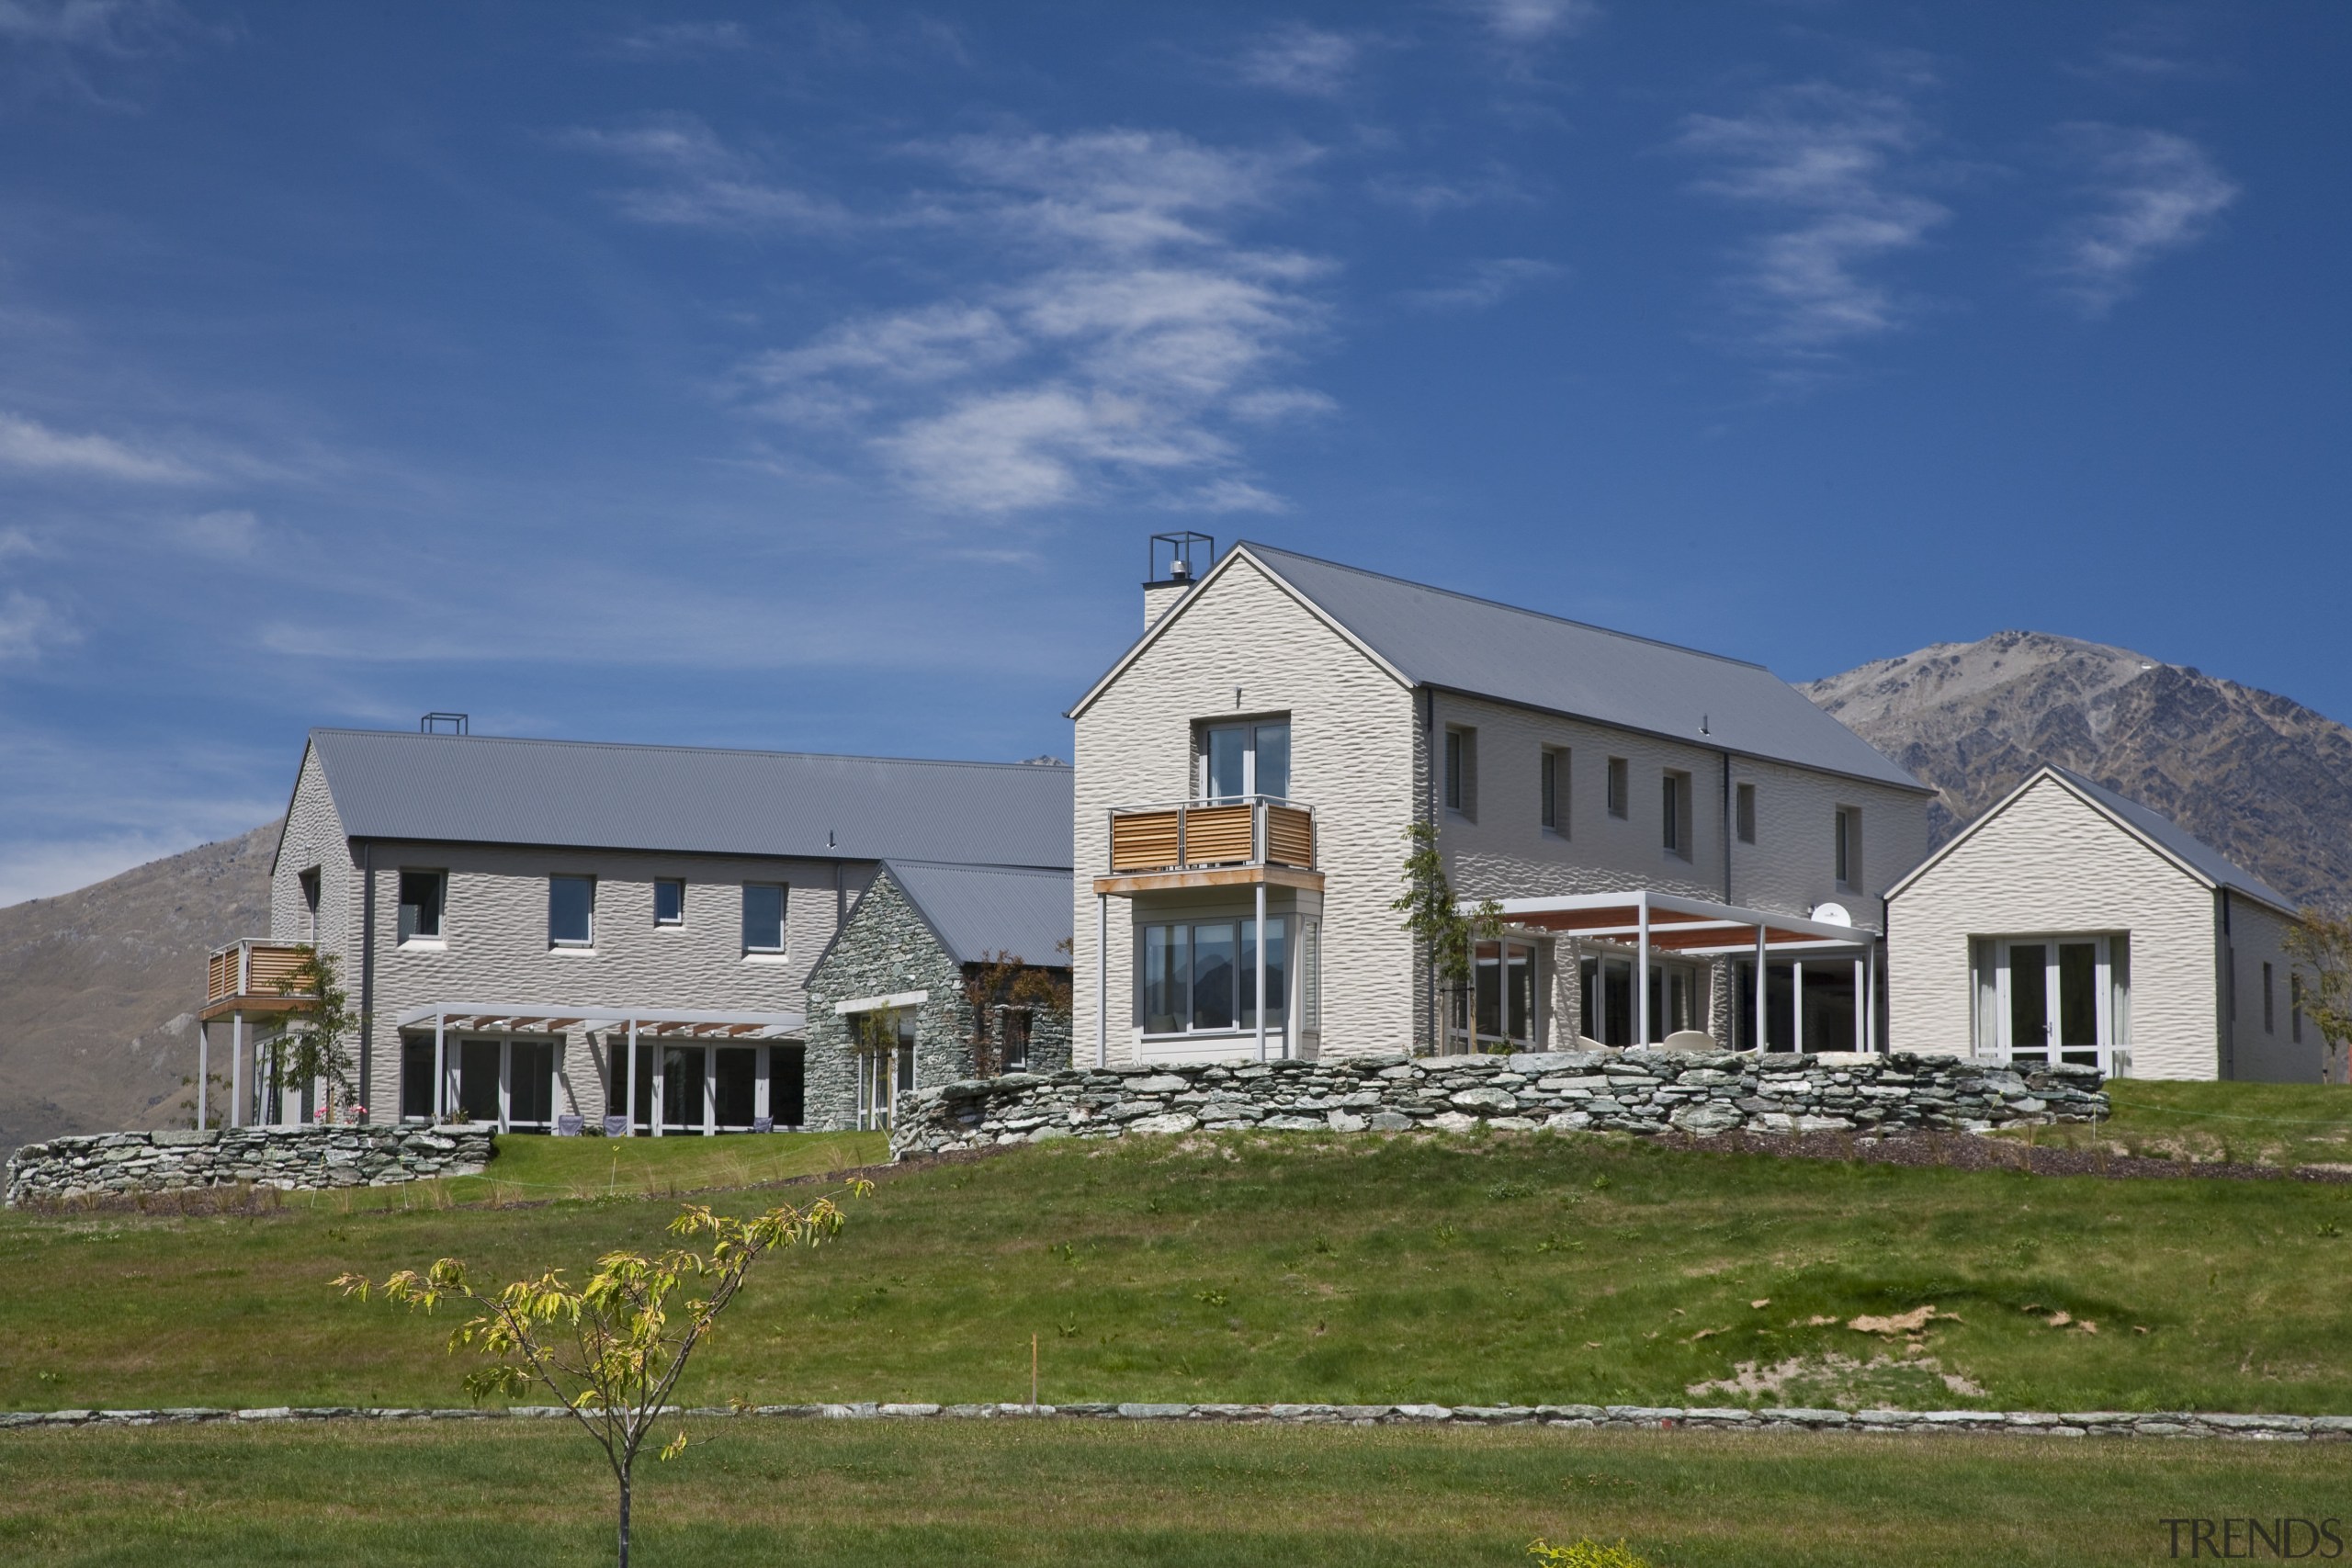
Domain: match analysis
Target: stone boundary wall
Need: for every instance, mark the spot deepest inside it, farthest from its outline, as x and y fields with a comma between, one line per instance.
x=296, y=1158
x=1629, y=1091
x=1570, y=1417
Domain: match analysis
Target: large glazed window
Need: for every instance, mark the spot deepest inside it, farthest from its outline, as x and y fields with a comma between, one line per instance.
x=571, y=911
x=1202, y=976
x=1242, y=759
x=1498, y=1010
x=420, y=898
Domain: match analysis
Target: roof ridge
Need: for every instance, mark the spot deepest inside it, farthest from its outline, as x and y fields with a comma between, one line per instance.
x=697, y=750
x=1498, y=604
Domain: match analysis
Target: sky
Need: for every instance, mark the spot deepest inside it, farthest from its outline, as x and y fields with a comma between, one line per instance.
x=812, y=376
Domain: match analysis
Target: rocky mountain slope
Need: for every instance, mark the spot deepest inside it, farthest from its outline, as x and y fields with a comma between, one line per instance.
x=99, y=988
x=2261, y=778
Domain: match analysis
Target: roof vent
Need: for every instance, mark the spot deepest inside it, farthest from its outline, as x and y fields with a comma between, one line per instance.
x=445, y=723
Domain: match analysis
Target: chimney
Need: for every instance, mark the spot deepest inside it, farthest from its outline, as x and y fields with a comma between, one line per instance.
x=1185, y=560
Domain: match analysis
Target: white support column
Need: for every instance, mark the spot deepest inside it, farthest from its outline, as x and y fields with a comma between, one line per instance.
x=1870, y=1041
x=1261, y=968
x=240, y=1109
x=1862, y=1015
x=505, y=1080
x=203, y=1068
x=440, y=1067
x=709, y=1091
x=661, y=1088
x=1762, y=985
x=629, y=1092
x=1796, y=1004
x=762, y=1086
x=1101, y=980
x=1641, y=972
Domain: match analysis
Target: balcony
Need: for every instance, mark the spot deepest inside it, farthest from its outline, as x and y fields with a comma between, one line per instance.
x=250, y=976
x=1206, y=843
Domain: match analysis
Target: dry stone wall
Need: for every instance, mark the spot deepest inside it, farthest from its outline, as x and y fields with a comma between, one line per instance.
x=1629, y=1091
x=302, y=1159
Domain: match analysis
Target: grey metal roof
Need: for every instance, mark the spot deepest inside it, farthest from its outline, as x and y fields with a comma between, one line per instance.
x=2170, y=836
x=979, y=911
x=481, y=789
x=1437, y=637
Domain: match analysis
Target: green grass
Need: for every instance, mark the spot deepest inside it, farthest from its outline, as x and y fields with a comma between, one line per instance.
x=1014, y=1492
x=1293, y=1267
x=2254, y=1123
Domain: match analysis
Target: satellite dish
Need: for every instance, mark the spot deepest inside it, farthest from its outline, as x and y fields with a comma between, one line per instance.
x=1832, y=915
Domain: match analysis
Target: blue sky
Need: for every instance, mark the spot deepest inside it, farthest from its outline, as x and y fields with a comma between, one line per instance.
x=812, y=376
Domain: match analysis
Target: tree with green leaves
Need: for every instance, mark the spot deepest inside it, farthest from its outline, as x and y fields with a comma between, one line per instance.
x=318, y=1030
x=611, y=1350
x=2321, y=945
x=1448, y=934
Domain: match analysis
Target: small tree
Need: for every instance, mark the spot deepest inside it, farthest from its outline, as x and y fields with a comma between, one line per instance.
x=2321, y=945
x=314, y=1047
x=613, y=1349
x=1007, y=980
x=1436, y=918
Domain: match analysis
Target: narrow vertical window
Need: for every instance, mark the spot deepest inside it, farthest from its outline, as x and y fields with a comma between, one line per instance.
x=763, y=917
x=2269, y=1024
x=1849, y=847
x=669, y=901
x=308, y=882
x=1617, y=786
x=1674, y=806
x=571, y=911
x=1548, y=787
x=2295, y=1007
x=1744, y=811
x=1462, y=772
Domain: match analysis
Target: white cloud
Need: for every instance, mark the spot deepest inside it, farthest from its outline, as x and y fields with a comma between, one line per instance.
x=1426, y=197
x=29, y=626
x=18, y=542
x=1831, y=161
x=33, y=448
x=668, y=38
x=230, y=533
x=1296, y=58
x=2151, y=193
x=926, y=345
x=1536, y=21
x=1486, y=283
x=110, y=27
x=694, y=180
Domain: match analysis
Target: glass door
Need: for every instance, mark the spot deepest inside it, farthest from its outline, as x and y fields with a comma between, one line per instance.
x=2054, y=998
x=1242, y=759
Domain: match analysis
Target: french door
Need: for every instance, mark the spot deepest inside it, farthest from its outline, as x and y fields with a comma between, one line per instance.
x=2054, y=996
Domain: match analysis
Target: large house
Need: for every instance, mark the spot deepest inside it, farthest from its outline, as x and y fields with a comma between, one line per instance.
x=1661, y=827
x=539, y=930
x=2069, y=922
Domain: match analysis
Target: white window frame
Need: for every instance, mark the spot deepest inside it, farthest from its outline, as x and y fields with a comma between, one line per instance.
x=439, y=936
x=783, y=920
x=679, y=920
x=2103, y=984
x=1205, y=786
x=571, y=944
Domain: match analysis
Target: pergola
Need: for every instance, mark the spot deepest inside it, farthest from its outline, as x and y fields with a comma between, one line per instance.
x=1650, y=922
x=658, y=1025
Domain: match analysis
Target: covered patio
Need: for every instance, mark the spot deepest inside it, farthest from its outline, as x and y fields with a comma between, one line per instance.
x=1643, y=930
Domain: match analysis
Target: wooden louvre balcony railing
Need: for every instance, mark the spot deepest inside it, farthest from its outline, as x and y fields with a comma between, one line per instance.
x=1201, y=834
x=250, y=968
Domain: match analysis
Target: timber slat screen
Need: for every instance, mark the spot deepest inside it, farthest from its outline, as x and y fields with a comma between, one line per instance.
x=1290, y=836
x=250, y=969
x=1143, y=840
x=1217, y=835
x=1172, y=837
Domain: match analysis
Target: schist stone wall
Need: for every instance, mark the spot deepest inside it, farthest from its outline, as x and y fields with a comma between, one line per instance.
x=308, y=1158
x=1630, y=1091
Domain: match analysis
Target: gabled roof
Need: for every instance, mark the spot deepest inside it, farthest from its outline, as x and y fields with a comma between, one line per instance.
x=979, y=911
x=2201, y=860
x=680, y=799
x=1433, y=637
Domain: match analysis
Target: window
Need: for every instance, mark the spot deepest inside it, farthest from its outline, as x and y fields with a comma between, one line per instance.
x=1015, y=1039
x=416, y=1077
x=763, y=917
x=885, y=1068
x=1462, y=772
x=2057, y=997
x=1498, y=1010
x=309, y=884
x=1202, y=976
x=1553, y=776
x=1676, y=805
x=1743, y=813
x=571, y=911
x=421, y=896
x=1617, y=787
x=2295, y=1007
x=669, y=901
x=1607, y=1010
x=2268, y=1015
x=1242, y=760
x=1849, y=847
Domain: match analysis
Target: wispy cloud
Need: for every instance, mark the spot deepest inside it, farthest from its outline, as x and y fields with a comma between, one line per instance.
x=694, y=180
x=1830, y=163
x=670, y=39
x=2150, y=193
x=1482, y=284
x=1535, y=21
x=67, y=47
x=1296, y=58
x=1427, y=196
x=30, y=447
x=1126, y=336
x=30, y=626
x=231, y=535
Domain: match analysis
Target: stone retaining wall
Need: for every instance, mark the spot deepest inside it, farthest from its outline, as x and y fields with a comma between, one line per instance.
x=1631, y=1092
x=307, y=1158
x=1570, y=1417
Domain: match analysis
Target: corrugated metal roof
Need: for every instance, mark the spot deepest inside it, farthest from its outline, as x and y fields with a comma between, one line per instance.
x=1437, y=637
x=481, y=789
x=980, y=911
x=2170, y=836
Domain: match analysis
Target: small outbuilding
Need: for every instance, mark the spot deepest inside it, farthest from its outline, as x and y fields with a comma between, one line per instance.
x=2070, y=922
x=941, y=972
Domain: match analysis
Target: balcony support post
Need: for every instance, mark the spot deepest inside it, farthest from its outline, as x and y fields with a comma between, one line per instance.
x=236, y=1069
x=1261, y=969
x=203, y=1068
x=1103, y=970
x=1641, y=975
x=1762, y=1045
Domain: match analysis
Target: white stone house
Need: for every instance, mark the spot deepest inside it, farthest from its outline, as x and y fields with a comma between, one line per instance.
x=536, y=931
x=2070, y=919
x=1253, y=760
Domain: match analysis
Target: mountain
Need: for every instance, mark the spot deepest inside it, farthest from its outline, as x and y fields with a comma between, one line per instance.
x=100, y=987
x=2261, y=778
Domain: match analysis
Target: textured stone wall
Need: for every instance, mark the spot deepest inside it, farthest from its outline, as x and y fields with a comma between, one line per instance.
x=307, y=1158
x=1630, y=1091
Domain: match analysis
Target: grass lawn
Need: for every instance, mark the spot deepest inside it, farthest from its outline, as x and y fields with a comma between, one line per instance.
x=2256, y=1123
x=752, y=1491
x=1515, y=1268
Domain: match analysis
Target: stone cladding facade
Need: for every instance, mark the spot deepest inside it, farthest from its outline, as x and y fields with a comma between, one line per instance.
x=1628, y=1091
x=295, y=1158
